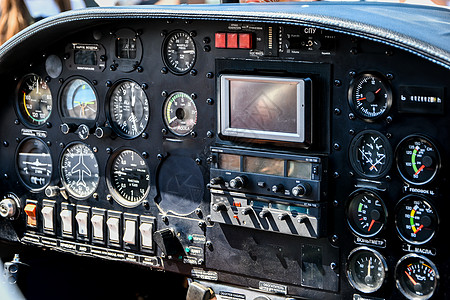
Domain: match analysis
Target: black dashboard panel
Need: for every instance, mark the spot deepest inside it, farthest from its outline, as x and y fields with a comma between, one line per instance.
x=296, y=154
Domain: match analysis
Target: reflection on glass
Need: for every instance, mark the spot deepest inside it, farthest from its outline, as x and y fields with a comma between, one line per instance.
x=263, y=165
x=229, y=162
x=299, y=169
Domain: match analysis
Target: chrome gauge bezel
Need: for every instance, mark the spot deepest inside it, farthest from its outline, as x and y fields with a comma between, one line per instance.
x=166, y=113
x=350, y=275
x=110, y=106
x=120, y=199
x=66, y=185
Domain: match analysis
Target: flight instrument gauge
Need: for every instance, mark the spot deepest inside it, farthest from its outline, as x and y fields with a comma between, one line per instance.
x=370, y=154
x=128, y=109
x=79, y=170
x=128, y=178
x=416, y=219
x=366, y=269
x=34, y=164
x=179, y=52
x=416, y=277
x=34, y=100
x=370, y=96
x=78, y=100
x=180, y=113
x=418, y=160
x=366, y=213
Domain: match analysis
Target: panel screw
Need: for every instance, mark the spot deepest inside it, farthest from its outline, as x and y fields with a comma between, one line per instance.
x=209, y=101
x=108, y=83
x=109, y=150
x=194, y=134
x=144, y=135
x=159, y=156
x=144, y=154
x=198, y=161
x=390, y=76
x=337, y=82
x=337, y=111
x=144, y=86
x=210, y=75
x=164, y=70
x=336, y=146
x=334, y=239
x=16, y=122
x=193, y=72
x=333, y=266
x=209, y=134
x=351, y=132
x=164, y=93
x=352, y=73
x=140, y=69
x=351, y=116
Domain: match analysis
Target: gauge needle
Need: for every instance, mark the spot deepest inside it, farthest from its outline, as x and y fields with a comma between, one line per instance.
x=420, y=169
x=360, y=99
x=369, y=265
x=371, y=224
x=418, y=229
x=410, y=278
x=377, y=91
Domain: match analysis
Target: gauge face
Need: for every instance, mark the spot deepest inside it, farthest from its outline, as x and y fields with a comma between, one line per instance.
x=129, y=178
x=35, y=100
x=34, y=164
x=416, y=277
x=418, y=160
x=78, y=100
x=370, y=154
x=366, y=269
x=416, y=219
x=366, y=213
x=180, y=113
x=370, y=96
x=128, y=109
x=79, y=170
x=179, y=52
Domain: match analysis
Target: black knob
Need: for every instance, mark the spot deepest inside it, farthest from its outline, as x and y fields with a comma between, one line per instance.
x=302, y=189
x=83, y=131
x=278, y=188
x=265, y=213
x=101, y=132
x=302, y=219
x=283, y=216
x=68, y=128
x=246, y=211
x=167, y=241
x=220, y=206
x=238, y=182
x=216, y=180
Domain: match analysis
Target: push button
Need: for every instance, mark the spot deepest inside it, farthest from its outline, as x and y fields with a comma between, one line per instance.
x=245, y=41
x=66, y=220
x=232, y=40
x=30, y=211
x=47, y=214
x=221, y=40
x=82, y=218
x=113, y=227
x=129, y=236
x=97, y=226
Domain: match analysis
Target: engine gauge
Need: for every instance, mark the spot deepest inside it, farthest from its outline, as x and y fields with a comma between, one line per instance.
x=179, y=52
x=370, y=96
x=129, y=178
x=416, y=277
x=34, y=164
x=366, y=213
x=416, y=219
x=366, y=269
x=78, y=100
x=370, y=154
x=418, y=160
x=34, y=100
x=79, y=170
x=128, y=109
x=180, y=113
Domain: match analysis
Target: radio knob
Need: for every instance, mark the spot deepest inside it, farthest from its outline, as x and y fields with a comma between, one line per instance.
x=265, y=213
x=8, y=208
x=278, y=188
x=238, y=182
x=216, y=180
x=220, y=206
x=302, y=189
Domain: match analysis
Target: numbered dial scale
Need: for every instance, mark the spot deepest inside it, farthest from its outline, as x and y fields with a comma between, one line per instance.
x=128, y=178
x=418, y=160
x=370, y=96
x=128, y=109
x=34, y=100
x=366, y=213
x=180, y=113
x=416, y=219
x=79, y=170
x=416, y=277
x=78, y=100
x=370, y=154
x=366, y=269
x=179, y=52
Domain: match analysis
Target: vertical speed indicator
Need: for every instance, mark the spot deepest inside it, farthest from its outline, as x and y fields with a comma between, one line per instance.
x=179, y=52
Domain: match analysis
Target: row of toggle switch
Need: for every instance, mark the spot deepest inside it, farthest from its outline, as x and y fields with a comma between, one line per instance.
x=100, y=226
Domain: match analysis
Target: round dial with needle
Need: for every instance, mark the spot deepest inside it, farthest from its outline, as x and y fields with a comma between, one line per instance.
x=416, y=219
x=370, y=154
x=179, y=52
x=180, y=113
x=370, y=96
x=416, y=277
x=78, y=100
x=418, y=160
x=366, y=213
x=128, y=109
x=366, y=269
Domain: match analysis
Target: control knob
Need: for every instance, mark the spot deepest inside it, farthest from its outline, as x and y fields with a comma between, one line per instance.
x=9, y=206
x=68, y=128
x=219, y=206
x=101, y=132
x=302, y=189
x=238, y=182
x=216, y=180
x=246, y=211
x=278, y=188
x=265, y=213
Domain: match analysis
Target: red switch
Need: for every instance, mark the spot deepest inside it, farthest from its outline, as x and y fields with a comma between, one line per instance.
x=232, y=40
x=245, y=41
x=30, y=210
x=221, y=40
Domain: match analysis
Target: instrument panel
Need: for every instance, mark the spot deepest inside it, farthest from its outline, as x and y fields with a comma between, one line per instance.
x=252, y=157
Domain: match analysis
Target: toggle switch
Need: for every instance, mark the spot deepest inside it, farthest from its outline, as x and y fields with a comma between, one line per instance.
x=97, y=226
x=82, y=218
x=30, y=211
x=129, y=236
x=66, y=220
x=146, y=230
x=47, y=214
x=113, y=228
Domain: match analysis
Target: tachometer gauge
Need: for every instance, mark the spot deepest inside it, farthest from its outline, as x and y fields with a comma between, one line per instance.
x=79, y=170
x=34, y=164
x=366, y=213
x=418, y=160
x=416, y=219
x=78, y=100
x=128, y=109
x=179, y=52
x=180, y=113
x=129, y=178
x=34, y=100
x=370, y=154
x=370, y=96
x=366, y=269
x=416, y=277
